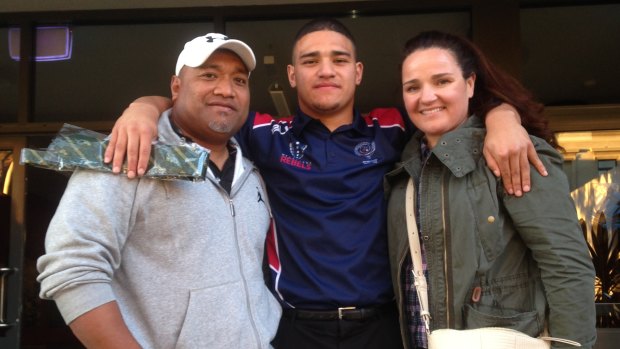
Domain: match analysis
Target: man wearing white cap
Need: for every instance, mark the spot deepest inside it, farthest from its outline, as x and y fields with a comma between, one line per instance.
x=171, y=264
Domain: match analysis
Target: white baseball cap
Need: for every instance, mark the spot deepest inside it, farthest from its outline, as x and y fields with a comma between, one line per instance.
x=197, y=51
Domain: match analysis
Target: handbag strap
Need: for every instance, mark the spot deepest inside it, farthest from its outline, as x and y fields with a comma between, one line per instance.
x=419, y=280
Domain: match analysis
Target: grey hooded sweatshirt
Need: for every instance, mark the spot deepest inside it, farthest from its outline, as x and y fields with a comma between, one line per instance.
x=182, y=259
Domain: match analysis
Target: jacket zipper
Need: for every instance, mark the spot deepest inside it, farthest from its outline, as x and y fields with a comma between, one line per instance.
x=233, y=215
x=446, y=244
x=231, y=206
x=421, y=230
x=445, y=249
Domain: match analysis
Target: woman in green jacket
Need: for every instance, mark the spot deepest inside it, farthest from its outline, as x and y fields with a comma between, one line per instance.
x=491, y=259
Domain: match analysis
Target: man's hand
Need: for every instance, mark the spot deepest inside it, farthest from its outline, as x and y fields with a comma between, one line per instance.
x=133, y=134
x=103, y=327
x=509, y=151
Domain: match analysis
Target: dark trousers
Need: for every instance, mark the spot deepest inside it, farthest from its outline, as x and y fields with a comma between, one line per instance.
x=381, y=331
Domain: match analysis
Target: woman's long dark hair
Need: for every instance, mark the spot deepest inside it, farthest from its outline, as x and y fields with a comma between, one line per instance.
x=493, y=86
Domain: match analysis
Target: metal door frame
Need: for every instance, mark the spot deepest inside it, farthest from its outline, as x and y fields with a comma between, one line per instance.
x=10, y=330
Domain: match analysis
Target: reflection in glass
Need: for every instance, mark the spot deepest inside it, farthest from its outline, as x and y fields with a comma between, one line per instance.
x=53, y=43
x=605, y=144
x=110, y=66
x=9, y=71
x=571, y=53
x=598, y=209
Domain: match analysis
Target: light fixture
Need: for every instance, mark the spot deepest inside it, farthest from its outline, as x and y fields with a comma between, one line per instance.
x=6, y=188
x=53, y=43
x=604, y=145
x=279, y=100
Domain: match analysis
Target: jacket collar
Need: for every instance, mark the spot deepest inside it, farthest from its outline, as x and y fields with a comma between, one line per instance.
x=168, y=135
x=459, y=150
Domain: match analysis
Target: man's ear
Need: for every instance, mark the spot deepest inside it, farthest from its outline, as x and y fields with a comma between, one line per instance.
x=290, y=71
x=175, y=85
x=359, y=72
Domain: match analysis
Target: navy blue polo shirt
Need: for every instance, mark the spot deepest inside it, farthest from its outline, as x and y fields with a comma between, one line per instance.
x=329, y=245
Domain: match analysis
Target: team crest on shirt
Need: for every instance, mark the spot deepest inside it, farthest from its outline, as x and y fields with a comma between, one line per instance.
x=297, y=150
x=366, y=150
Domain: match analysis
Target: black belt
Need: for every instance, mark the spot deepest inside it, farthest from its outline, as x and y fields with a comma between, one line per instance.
x=344, y=313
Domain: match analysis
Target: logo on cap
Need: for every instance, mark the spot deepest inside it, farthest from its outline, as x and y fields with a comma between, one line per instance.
x=211, y=37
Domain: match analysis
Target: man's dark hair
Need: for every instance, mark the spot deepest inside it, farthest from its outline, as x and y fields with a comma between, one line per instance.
x=325, y=23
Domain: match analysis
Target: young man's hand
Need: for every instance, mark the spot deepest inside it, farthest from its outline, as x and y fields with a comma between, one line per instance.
x=509, y=151
x=133, y=135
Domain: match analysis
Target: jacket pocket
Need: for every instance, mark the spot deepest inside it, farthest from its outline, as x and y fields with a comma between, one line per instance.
x=217, y=317
x=526, y=322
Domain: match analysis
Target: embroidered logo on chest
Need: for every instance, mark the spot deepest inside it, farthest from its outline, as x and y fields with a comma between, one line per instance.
x=366, y=150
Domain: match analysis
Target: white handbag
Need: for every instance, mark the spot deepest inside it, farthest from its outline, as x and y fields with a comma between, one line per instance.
x=480, y=338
